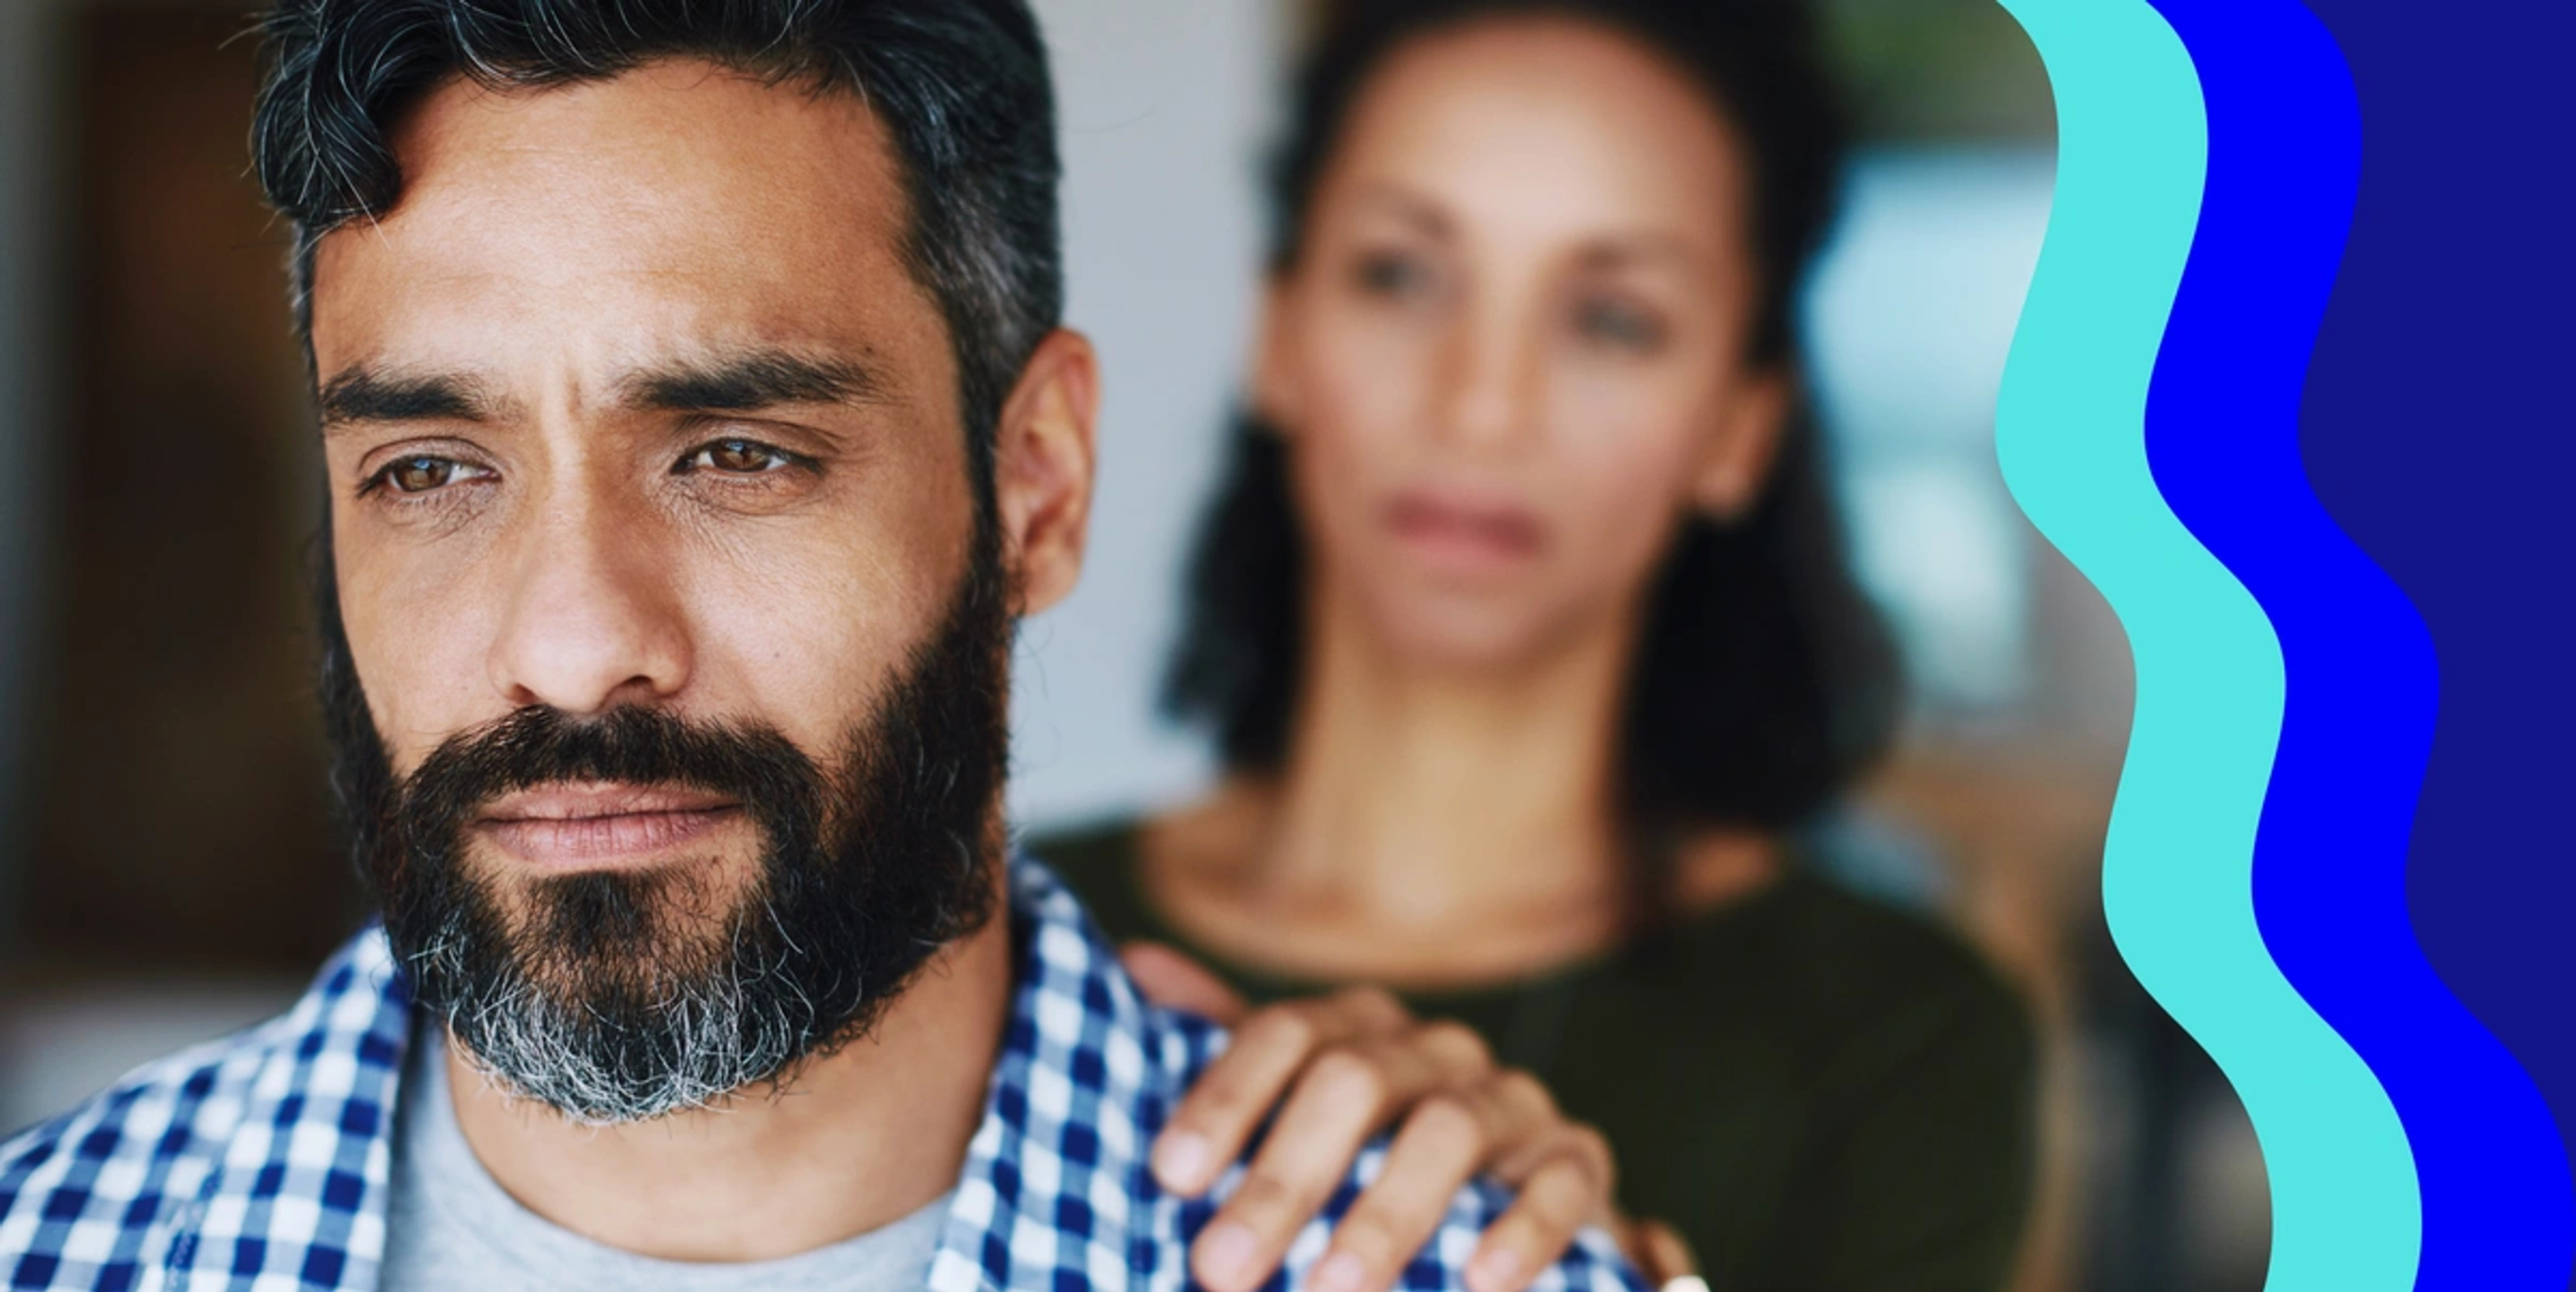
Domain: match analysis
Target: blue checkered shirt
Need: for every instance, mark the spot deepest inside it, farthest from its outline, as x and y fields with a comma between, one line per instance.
x=259, y=1162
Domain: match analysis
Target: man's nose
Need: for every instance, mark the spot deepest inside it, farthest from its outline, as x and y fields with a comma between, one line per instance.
x=593, y=619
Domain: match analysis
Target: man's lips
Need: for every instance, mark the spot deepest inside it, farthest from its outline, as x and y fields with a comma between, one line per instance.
x=601, y=823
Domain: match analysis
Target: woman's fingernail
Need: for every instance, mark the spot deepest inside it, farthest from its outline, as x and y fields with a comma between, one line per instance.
x=1181, y=1159
x=1494, y=1269
x=1227, y=1252
x=1342, y=1273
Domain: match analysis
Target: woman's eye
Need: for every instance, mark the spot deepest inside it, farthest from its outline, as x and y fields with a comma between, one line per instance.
x=1393, y=274
x=420, y=474
x=736, y=457
x=1617, y=324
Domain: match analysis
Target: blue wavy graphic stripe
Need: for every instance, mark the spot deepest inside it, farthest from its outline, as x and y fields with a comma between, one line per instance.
x=2437, y=432
x=2177, y=866
x=2330, y=856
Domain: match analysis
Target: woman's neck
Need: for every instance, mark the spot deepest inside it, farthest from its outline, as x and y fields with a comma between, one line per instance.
x=1432, y=827
x=1422, y=795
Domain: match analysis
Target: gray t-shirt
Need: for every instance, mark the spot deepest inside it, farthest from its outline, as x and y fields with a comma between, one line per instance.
x=450, y=1227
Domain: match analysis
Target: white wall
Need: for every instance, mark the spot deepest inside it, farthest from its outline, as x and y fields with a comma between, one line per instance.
x=1164, y=106
x=1909, y=316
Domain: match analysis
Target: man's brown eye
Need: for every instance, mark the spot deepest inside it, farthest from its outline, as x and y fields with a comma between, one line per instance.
x=736, y=457
x=420, y=475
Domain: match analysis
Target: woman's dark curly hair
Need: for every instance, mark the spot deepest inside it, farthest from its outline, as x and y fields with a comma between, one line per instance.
x=1765, y=681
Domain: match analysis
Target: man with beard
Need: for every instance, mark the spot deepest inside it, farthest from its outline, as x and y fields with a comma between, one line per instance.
x=696, y=424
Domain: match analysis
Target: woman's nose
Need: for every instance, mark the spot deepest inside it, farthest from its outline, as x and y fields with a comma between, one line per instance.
x=1491, y=383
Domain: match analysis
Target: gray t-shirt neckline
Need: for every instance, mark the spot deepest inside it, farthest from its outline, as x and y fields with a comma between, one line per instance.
x=450, y=1227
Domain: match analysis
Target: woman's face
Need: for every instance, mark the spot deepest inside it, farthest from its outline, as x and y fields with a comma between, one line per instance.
x=1510, y=355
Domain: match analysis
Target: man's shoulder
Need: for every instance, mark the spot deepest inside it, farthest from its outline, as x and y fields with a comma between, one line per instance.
x=1057, y=1191
x=154, y=1132
x=96, y=1195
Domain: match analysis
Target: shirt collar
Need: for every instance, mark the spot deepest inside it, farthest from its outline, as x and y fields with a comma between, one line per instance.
x=1056, y=1181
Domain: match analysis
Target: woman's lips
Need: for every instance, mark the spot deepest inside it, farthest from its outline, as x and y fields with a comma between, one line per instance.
x=1464, y=533
x=599, y=823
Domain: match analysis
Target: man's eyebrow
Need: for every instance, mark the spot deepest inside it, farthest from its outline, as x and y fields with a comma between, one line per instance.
x=362, y=394
x=751, y=380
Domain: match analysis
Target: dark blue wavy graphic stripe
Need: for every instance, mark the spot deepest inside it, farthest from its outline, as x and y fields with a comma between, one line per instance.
x=2330, y=857
x=2437, y=430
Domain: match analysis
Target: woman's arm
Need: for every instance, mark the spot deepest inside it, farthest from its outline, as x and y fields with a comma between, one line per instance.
x=1338, y=1070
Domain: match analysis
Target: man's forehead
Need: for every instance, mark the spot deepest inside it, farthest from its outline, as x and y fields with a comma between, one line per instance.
x=652, y=219
x=689, y=116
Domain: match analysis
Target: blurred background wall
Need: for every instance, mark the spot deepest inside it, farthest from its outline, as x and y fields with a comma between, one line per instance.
x=166, y=868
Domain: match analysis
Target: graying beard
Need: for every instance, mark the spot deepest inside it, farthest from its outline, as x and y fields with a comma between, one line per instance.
x=714, y=1034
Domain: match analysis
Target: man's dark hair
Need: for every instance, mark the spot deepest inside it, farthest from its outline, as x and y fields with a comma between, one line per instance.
x=1765, y=681
x=961, y=85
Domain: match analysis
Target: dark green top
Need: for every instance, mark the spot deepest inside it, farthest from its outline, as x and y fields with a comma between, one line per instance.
x=1821, y=1092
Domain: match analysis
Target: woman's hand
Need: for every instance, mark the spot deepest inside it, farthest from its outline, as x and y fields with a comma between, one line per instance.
x=1339, y=1069
x=1660, y=1254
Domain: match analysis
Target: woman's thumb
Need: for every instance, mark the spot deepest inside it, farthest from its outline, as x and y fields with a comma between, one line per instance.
x=1174, y=981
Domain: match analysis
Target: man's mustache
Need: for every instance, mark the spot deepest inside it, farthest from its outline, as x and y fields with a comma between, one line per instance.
x=535, y=747
x=632, y=744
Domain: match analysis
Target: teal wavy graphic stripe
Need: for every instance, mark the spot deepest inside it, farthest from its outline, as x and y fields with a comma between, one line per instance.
x=2177, y=865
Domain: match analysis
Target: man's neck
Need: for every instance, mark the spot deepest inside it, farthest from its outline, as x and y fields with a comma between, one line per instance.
x=859, y=1139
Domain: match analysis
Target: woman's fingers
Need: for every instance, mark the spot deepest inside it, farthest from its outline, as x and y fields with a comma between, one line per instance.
x=1564, y=1186
x=1270, y=1048
x=1661, y=1254
x=1533, y=1130
x=1439, y=1149
x=1338, y=1071
x=1345, y=1096
x=1446, y=1140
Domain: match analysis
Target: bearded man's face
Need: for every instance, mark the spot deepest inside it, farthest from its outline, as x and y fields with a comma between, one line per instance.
x=622, y=992
x=669, y=611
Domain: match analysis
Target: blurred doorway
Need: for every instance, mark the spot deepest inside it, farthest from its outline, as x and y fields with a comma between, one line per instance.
x=175, y=795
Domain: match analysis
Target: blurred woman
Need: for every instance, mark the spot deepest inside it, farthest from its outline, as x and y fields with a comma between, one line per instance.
x=1524, y=627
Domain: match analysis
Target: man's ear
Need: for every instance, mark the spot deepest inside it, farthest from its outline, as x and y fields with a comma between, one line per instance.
x=1044, y=460
x=1739, y=458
